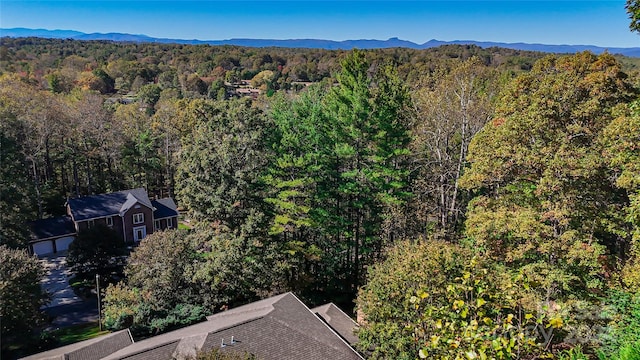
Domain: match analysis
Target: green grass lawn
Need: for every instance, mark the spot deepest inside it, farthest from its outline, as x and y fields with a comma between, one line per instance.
x=77, y=333
x=25, y=346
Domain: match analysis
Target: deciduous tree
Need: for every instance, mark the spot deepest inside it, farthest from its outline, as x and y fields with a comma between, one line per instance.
x=20, y=294
x=620, y=140
x=160, y=291
x=94, y=251
x=545, y=206
x=451, y=106
x=436, y=300
x=17, y=197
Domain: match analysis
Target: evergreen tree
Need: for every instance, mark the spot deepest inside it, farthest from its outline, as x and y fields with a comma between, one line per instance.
x=218, y=177
x=368, y=129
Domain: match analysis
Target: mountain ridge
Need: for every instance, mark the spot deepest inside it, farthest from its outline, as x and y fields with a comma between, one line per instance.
x=312, y=43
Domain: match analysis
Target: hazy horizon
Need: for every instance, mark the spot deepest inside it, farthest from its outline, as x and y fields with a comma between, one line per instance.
x=599, y=23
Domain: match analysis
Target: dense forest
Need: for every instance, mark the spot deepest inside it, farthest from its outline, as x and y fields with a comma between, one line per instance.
x=471, y=203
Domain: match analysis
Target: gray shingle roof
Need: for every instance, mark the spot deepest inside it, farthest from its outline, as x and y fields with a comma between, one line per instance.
x=51, y=228
x=278, y=328
x=159, y=352
x=338, y=321
x=95, y=206
x=164, y=208
x=290, y=331
x=91, y=349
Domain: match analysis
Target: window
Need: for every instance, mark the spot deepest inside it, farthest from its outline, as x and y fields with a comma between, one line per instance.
x=156, y=225
x=90, y=224
x=138, y=218
x=169, y=223
x=110, y=221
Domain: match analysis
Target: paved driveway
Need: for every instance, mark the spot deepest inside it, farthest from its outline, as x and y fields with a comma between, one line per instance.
x=56, y=281
x=73, y=314
x=65, y=308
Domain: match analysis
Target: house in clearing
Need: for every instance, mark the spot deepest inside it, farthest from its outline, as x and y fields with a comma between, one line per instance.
x=130, y=213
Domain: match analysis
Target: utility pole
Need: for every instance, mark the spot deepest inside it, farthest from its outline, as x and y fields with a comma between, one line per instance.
x=99, y=303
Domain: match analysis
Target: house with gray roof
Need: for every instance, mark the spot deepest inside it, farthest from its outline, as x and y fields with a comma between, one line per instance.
x=277, y=328
x=130, y=213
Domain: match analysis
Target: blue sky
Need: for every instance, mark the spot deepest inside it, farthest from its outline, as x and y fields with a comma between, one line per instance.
x=588, y=22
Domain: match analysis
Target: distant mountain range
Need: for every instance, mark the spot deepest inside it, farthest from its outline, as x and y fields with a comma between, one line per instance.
x=312, y=43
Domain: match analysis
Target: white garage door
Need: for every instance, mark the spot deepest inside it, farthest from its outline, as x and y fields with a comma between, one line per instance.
x=62, y=244
x=43, y=248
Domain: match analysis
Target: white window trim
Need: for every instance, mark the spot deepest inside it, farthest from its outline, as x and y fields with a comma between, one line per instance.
x=138, y=216
x=170, y=223
x=110, y=221
x=91, y=223
x=156, y=225
x=143, y=229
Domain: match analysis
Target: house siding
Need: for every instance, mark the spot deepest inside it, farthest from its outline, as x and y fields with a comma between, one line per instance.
x=117, y=224
x=128, y=221
x=164, y=223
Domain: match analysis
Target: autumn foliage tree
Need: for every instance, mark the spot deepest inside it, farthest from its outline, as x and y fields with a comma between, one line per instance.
x=436, y=300
x=545, y=206
x=451, y=105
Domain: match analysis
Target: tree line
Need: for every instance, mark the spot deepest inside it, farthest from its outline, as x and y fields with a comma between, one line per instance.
x=195, y=69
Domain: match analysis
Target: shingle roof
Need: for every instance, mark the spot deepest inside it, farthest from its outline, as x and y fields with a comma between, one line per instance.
x=91, y=349
x=95, y=206
x=159, y=352
x=279, y=328
x=290, y=331
x=338, y=321
x=164, y=208
x=51, y=228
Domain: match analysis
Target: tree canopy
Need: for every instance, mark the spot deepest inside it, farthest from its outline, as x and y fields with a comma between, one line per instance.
x=95, y=251
x=20, y=295
x=436, y=300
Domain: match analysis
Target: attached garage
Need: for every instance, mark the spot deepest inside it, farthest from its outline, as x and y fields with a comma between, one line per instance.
x=43, y=248
x=52, y=235
x=62, y=244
